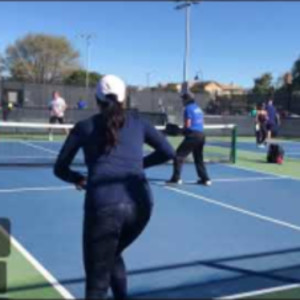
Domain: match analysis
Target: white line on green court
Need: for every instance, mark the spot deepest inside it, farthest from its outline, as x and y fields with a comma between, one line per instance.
x=40, y=268
x=261, y=292
x=235, y=208
x=261, y=172
x=37, y=189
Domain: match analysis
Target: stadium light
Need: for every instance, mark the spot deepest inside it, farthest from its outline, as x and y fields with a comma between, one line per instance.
x=197, y=75
x=87, y=38
x=186, y=5
x=148, y=75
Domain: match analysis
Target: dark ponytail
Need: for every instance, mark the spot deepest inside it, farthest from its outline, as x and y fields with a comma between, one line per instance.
x=114, y=119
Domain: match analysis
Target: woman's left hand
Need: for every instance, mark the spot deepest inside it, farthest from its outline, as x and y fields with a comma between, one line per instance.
x=81, y=185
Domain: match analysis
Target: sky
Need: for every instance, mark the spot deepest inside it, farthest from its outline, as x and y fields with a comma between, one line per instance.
x=231, y=42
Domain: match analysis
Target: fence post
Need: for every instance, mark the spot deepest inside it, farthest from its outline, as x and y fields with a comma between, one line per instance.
x=233, y=154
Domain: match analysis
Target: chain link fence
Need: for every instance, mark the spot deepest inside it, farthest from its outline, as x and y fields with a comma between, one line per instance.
x=30, y=102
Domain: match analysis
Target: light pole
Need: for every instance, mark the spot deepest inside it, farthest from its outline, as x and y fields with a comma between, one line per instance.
x=87, y=37
x=148, y=75
x=186, y=5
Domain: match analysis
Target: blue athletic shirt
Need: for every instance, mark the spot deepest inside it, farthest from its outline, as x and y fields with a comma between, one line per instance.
x=271, y=110
x=194, y=113
x=118, y=175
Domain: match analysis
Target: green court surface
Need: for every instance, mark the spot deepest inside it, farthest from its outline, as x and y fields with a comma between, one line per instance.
x=24, y=281
x=257, y=161
x=292, y=293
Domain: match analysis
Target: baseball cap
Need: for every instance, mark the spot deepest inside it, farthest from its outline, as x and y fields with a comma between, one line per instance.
x=185, y=91
x=111, y=84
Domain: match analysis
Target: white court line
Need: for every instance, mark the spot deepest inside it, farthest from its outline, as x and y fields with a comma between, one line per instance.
x=71, y=187
x=37, y=189
x=235, y=208
x=10, y=141
x=292, y=153
x=235, y=179
x=261, y=292
x=22, y=156
x=241, y=179
x=39, y=147
x=40, y=268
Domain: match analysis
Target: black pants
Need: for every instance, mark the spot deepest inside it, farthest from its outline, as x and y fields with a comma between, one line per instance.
x=261, y=134
x=192, y=143
x=54, y=119
x=273, y=128
x=107, y=232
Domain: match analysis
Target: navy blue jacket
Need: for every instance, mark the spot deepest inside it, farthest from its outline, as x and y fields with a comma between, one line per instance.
x=118, y=175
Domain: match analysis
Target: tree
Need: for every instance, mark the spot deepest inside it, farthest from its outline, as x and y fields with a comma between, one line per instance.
x=171, y=87
x=263, y=85
x=78, y=77
x=2, y=65
x=284, y=83
x=41, y=58
x=296, y=74
x=197, y=88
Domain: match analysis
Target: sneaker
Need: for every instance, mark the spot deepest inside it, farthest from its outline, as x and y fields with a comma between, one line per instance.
x=172, y=181
x=206, y=183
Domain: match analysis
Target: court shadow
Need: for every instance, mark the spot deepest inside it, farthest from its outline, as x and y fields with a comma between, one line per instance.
x=207, y=278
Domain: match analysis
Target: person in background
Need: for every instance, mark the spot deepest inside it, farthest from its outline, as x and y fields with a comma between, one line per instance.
x=57, y=108
x=7, y=107
x=118, y=200
x=193, y=142
x=163, y=111
x=261, y=125
x=273, y=121
x=81, y=104
x=253, y=111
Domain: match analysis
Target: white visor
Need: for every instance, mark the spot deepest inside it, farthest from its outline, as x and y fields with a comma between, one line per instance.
x=111, y=84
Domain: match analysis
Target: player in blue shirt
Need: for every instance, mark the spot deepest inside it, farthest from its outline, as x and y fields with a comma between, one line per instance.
x=118, y=200
x=273, y=120
x=193, y=142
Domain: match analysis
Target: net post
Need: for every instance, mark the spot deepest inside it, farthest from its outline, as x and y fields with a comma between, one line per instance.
x=233, y=144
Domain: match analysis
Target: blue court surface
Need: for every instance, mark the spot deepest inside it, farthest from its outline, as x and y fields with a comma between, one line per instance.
x=241, y=235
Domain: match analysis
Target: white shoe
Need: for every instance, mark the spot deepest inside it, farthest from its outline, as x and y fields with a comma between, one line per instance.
x=206, y=183
x=171, y=181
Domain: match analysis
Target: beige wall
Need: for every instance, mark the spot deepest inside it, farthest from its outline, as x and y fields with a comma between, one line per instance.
x=213, y=88
x=216, y=89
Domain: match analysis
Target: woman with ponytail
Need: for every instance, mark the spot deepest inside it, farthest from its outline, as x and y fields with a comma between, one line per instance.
x=118, y=200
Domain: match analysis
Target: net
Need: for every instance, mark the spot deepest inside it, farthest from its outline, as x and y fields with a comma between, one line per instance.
x=220, y=142
x=37, y=144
